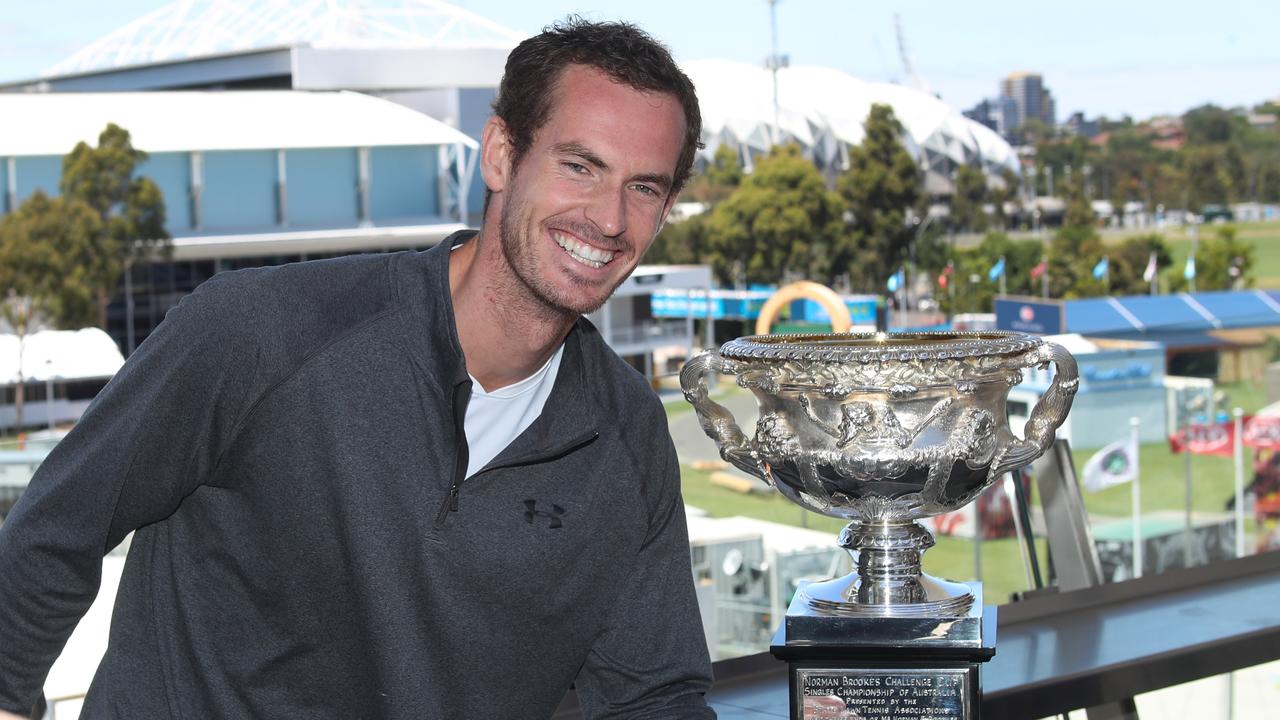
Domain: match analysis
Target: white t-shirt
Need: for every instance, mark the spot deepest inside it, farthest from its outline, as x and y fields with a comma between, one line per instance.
x=496, y=418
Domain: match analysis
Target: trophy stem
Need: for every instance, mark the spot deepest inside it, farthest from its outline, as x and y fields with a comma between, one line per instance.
x=888, y=556
x=888, y=581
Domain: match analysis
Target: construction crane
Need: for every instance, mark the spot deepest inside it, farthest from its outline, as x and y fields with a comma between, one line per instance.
x=913, y=79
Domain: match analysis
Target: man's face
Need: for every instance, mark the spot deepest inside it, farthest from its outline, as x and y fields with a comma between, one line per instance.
x=591, y=191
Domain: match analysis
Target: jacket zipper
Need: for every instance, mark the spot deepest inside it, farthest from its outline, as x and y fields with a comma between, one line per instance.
x=461, y=395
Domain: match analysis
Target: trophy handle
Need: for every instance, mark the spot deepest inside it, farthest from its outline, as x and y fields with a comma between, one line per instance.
x=716, y=420
x=1049, y=413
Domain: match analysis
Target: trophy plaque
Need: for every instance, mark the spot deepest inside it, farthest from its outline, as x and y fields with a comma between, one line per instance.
x=882, y=430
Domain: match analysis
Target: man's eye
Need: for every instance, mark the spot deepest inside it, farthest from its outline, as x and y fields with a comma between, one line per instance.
x=576, y=168
x=645, y=190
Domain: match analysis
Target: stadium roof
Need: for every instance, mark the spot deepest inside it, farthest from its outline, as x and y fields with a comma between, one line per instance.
x=823, y=110
x=1177, y=320
x=201, y=28
x=52, y=123
x=1183, y=312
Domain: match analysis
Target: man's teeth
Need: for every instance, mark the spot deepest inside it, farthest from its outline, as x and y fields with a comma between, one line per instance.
x=582, y=252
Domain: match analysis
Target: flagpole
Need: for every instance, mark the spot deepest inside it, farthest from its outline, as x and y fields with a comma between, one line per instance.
x=1238, y=442
x=1002, y=274
x=1186, y=531
x=1137, y=506
x=1044, y=282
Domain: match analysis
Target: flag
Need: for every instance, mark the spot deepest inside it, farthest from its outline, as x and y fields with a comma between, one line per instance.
x=1150, y=273
x=1189, y=272
x=1040, y=269
x=1100, y=270
x=897, y=280
x=944, y=279
x=1112, y=465
x=1262, y=431
x=996, y=270
x=1215, y=439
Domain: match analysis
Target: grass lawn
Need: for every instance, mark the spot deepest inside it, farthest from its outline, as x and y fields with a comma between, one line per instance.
x=1265, y=238
x=1163, y=482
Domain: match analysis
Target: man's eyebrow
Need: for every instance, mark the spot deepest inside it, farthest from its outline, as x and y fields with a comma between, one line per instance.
x=573, y=148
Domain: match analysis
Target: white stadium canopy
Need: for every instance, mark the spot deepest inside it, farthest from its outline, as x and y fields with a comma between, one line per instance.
x=823, y=110
x=202, y=28
x=52, y=123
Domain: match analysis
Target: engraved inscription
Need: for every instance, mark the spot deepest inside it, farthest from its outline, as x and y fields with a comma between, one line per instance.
x=883, y=694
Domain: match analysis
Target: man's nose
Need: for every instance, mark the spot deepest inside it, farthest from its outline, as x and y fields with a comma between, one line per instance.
x=608, y=212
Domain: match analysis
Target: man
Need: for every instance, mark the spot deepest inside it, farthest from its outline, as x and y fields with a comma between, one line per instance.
x=402, y=486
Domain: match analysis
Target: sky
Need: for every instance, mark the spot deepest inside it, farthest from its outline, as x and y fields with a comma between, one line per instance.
x=1103, y=58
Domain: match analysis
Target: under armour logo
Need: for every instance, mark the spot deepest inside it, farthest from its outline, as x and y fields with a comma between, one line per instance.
x=532, y=511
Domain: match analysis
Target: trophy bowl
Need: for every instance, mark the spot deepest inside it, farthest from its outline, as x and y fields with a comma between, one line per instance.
x=882, y=429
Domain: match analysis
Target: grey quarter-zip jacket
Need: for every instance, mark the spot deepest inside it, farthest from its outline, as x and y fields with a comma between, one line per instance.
x=288, y=446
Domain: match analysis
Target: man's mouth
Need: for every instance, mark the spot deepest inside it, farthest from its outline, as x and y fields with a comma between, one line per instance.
x=582, y=252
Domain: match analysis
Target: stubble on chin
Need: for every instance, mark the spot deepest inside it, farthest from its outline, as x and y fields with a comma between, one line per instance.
x=521, y=265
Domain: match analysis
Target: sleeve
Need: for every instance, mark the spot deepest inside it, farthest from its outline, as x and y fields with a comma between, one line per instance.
x=150, y=438
x=651, y=662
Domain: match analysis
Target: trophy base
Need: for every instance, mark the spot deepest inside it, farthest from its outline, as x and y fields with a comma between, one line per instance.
x=845, y=597
x=886, y=667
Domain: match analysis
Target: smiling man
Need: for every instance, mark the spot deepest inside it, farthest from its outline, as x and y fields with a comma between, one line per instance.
x=415, y=485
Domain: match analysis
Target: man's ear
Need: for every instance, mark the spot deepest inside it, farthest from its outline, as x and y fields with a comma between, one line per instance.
x=495, y=154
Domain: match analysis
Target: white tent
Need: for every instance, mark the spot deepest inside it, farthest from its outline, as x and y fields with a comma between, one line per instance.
x=60, y=355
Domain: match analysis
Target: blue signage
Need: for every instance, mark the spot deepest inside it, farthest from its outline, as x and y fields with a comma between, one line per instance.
x=1029, y=316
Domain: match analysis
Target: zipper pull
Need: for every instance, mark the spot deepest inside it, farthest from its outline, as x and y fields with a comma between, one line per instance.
x=449, y=505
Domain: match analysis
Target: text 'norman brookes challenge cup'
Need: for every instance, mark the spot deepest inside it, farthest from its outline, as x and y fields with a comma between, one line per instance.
x=883, y=429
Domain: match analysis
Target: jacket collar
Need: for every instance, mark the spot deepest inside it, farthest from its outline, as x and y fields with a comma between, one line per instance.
x=568, y=419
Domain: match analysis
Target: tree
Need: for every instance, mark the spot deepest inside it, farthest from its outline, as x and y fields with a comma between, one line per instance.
x=681, y=243
x=130, y=209
x=782, y=223
x=1005, y=192
x=881, y=189
x=968, y=199
x=46, y=250
x=1224, y=262
x=1075, y=250
x=718, y=181
x=1129, y=263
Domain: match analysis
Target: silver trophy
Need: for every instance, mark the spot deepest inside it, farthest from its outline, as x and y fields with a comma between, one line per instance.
x=882, y=430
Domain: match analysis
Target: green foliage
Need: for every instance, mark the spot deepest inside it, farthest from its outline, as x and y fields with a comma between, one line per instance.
x=718, y=181
x=47, y=246
x=966, y=203
x=782, y=223
x=882, y=189
x=1224, y=262
x=682, y=243
x=1129, y=261
x=968, y=295
x=130, y=209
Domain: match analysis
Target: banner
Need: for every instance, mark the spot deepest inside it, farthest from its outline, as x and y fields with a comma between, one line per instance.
x=1112, y=465
x=1217, y=439
x=1262, y=432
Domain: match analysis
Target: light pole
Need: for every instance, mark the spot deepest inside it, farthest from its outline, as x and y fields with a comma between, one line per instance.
x=48, y=389
x=773, y=63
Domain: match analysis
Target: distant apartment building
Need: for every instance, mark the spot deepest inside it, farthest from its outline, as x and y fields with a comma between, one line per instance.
x=1031, y=99
x=998, y=113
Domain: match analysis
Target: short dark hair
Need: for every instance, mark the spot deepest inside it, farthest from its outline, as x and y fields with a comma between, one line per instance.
x=621, y=50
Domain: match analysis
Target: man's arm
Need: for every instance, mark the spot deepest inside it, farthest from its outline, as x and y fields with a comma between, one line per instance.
x=149, y=439
x=651, y=663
